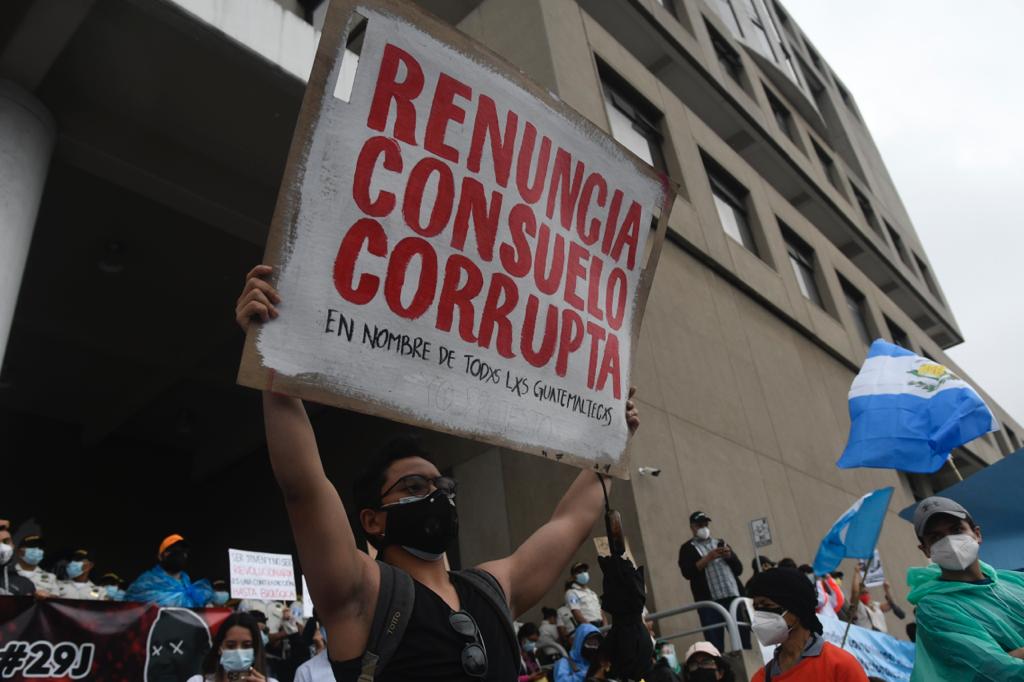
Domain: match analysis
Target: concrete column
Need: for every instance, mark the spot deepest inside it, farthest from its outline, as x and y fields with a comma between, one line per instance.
x=26, y=143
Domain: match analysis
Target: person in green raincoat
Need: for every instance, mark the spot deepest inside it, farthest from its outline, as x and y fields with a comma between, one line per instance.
x=970, y=616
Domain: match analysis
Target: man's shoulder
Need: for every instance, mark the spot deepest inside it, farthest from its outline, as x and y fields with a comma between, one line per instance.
x=839, y=656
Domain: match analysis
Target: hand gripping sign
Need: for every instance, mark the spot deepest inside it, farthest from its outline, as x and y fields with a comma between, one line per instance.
x=456, y=248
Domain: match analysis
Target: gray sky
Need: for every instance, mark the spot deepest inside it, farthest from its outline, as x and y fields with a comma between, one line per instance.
x=939, y=85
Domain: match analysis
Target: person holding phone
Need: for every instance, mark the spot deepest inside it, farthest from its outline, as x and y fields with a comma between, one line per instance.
x=713, y=570
x=237, y=653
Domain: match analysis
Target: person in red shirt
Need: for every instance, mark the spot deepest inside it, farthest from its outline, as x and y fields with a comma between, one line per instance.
x=784, y=615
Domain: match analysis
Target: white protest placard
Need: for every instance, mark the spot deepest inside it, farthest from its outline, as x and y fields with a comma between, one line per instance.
x=760, y=532
x=307, y=600
x=457, y=249
x=876, y=573
x=259, y=575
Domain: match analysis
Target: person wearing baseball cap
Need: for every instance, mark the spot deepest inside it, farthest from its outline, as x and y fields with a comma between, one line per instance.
x=581, y=600
x=167, y=583
x=784, y=617
x=77, y=584
x=31, y=551
x=970, y=616
x=713, y=570
x=704, y=663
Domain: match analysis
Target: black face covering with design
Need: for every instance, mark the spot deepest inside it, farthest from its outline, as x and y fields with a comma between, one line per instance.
x=424, y=527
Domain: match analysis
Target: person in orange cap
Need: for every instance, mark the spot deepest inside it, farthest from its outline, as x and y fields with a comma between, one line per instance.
x=167, y=583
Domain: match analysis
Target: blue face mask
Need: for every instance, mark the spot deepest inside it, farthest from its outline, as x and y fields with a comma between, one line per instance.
x=266, y=638
x=236, y=660
x=75, y=569
x=34, y=556
x=220, y=598
x=529, y=646
x=583, y=578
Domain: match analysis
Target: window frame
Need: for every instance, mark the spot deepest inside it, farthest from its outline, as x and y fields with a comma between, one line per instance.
x=645, y=117
x=857, y=304
x=733, y=193
x=804, y=263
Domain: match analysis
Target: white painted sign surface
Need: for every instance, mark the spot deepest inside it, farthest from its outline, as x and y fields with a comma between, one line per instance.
x=459, y=252
x=259, y=575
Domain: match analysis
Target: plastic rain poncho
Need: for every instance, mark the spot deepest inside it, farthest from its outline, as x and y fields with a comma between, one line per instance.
x=965, y=630
x=156, y=586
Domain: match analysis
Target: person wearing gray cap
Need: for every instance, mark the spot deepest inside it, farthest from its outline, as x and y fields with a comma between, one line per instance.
x=970, y=616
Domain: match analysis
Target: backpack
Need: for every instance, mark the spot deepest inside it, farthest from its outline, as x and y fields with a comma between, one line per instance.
x=394, y=607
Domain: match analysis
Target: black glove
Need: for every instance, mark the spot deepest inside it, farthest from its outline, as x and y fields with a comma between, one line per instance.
x=628, y=643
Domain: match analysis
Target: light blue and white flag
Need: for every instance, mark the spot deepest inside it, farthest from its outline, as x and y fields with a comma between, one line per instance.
x=855, y=534
x=908, y=413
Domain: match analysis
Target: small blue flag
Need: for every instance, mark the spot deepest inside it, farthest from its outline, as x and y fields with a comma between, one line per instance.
x=855, y=534
x=908, y=413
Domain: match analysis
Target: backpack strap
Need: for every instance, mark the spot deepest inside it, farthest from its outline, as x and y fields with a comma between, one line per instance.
x=485, y=583
x=394, y=608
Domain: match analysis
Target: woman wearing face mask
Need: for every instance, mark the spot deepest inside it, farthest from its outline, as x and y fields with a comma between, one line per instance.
x=704, y=663
x=236, y=654
x=784, y=617
x=528, y=635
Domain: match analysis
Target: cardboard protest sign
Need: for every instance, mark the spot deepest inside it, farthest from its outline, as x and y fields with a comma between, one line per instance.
x=258, y=575
x=875, y=572
x=456, y=248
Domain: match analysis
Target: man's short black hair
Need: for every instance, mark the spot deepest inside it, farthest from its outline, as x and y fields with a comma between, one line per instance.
x=366, y=489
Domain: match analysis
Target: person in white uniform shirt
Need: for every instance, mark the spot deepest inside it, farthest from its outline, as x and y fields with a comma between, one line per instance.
x=30, y=555
x=78, y=585
x=583, y=601
x=236, y=653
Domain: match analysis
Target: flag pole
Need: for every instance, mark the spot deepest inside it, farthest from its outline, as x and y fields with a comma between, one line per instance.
x=955, y=469
x=853, y=606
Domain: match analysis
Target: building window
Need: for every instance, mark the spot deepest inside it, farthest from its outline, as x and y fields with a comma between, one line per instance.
x=728, y=58
x=783, y=118
x=828, y=165
x=926, y=275
x=1012, y=437
x=815, y=59
x=731, y=203
x=858, y=308
x=669, y=6
x=725, y=10
x=634, y=121
x=761, y=27
x=866, y=210
x=898, y=336
x=847, y=100
x=801, y=258
x=897, y=243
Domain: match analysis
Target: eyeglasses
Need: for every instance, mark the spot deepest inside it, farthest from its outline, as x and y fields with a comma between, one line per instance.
x=474, y=654
x=420, y=486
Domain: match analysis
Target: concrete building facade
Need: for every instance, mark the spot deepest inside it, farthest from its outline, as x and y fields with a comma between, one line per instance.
x=789, y=251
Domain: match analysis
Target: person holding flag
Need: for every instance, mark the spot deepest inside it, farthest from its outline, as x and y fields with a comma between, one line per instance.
x=970, y=616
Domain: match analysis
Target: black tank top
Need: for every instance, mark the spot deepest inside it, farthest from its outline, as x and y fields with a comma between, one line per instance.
x=432, y=651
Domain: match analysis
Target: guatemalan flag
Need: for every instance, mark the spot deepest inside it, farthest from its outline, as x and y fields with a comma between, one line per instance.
x=855, y=533
x=908, y=413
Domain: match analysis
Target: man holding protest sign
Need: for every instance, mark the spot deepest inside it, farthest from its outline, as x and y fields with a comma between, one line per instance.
x=407, y=510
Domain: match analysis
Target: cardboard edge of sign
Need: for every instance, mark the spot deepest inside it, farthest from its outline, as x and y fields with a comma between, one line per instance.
x=253, y=374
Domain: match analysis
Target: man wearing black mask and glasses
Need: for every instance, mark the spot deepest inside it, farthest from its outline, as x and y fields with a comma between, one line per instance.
x=459, y=625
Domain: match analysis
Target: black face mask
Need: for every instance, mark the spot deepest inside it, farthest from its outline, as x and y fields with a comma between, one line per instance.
x=174, y=562
x=702, y=675
x=424, y=527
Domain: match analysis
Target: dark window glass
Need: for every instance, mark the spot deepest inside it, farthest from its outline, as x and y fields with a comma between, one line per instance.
x=634, y=121
x=668, y=5
x=926, y=275
x=828, y=165
x=783, y=118
x=801, y=258
x=728, y=58
x=731, y=203
x=1012, y=437
x=866, y=210
x=858, y=308
x=899, y=337
x=897, y=243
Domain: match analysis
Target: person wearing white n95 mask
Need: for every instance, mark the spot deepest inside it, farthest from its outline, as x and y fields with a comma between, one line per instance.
x=970, y=616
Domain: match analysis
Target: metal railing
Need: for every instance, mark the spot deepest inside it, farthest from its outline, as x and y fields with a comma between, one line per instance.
x=729, y=620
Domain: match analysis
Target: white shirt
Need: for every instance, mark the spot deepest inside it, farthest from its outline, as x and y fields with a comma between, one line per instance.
x=47, y=582
x=316, y=669
x=585, y=600
x=565, y=618
x=212, y=678
x=549, y=630
x=70, y=589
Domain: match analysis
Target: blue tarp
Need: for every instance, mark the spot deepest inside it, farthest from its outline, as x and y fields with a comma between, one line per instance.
x=995, y=498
